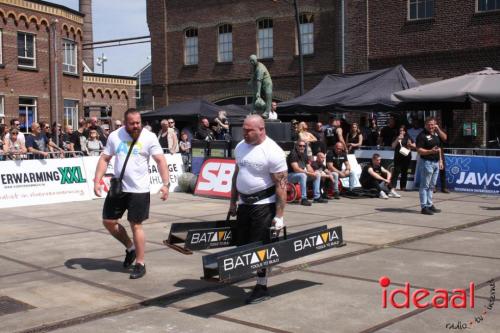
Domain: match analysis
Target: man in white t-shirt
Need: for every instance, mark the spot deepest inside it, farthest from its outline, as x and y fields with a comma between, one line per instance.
x=15, y=123
x=258, y=193
x=136, y=192
x=273, y=115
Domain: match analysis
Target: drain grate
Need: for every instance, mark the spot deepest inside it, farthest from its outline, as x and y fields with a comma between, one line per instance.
x=9, y=305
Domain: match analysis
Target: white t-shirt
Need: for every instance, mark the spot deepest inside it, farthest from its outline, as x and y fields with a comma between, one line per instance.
x=20, y=137
x=273, y=115
x=136, y=177
x=256, y=163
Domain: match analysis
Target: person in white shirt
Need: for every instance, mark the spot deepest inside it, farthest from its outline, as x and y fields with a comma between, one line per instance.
x=273, y=114
x=136, y=191
x=15, y=123
x=258, y=192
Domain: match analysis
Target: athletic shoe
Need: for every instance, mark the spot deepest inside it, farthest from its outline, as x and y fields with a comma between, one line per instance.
x=259, y=294
x=426, y=211
x=382, y=195
x=336, y=195
x=434, y=209
x=129, y=258
x=394, y=194
x=305, y=202
x=138, y=272
x=320, y=200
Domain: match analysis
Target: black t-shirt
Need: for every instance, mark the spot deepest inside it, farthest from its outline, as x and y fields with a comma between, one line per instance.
x=301, y=160
x=428, y=141
x=331, y=136
x=318, y=166
x=353, y=139
x=365, y=174
x=404, y=143
x=75, y=140
x=388, y=135
x=337, y=160
x=65, y=141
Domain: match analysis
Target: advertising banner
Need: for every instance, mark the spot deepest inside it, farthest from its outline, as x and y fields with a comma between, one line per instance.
x=474, y=174
x=35, y=182
x=215, y=178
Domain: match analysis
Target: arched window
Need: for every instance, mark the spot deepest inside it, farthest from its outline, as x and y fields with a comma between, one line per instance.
x=307, y=33
x=265, y=38
x=191, y=46
x=225, y=43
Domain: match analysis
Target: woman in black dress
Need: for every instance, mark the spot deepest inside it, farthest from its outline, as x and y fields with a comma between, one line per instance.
x=354, y=138
x=401, y=161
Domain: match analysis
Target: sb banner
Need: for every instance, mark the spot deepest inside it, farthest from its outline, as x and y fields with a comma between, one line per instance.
x=215, y=178
x=475, y=174
x=36, y=182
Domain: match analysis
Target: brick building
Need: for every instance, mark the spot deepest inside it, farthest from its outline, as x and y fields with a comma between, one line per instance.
x=41, y=66
x=201, y=48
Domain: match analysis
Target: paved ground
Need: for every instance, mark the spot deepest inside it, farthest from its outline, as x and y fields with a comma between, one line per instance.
x=59, y=261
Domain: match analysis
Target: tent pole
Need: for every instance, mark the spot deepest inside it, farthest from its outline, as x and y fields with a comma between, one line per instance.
x=485, y=127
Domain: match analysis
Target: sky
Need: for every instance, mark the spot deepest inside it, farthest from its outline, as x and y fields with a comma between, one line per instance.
x=128, y=20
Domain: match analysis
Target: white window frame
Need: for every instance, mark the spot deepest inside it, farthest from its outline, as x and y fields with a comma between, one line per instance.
x=496, y=4
x=191, y=47
x=225, y=43
x=419, y=17
x=26, y=106
x=25, y=48
x=2, y=106
x=74, y=113
x=71, y=55
x=265, y=38
x=1, y=47
x=306, y=35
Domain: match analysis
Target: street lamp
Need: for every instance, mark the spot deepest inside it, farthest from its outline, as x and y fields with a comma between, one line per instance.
x=100, y=62
x=299, y=41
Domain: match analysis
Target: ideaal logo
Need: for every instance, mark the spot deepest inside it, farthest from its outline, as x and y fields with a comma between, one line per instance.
x=319, y=241
x=211, y=237
x=255, y=259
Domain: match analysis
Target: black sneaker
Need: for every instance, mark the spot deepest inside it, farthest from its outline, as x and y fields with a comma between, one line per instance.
x=320, y=200
x=305, y=202
x=259, y=294
x=434, y=209
x=336, y=195
x=426, y=211
x=129, y=258
x=138, y=272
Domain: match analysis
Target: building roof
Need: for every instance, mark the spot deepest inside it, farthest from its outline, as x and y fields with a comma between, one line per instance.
x=144, y=75
x=51, y=4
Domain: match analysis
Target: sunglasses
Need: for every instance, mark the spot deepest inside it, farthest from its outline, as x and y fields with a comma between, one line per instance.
x=17, y=124
x=302, y=146
x=171, y=122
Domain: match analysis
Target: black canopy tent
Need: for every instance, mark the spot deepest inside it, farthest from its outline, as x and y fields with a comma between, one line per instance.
x=365, y=91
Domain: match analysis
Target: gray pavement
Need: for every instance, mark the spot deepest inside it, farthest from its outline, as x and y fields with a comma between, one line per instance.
x=60, y=263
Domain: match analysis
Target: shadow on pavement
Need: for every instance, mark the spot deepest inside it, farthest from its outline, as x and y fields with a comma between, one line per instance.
x=490, y=208
x=92, y=264
x=397, y=210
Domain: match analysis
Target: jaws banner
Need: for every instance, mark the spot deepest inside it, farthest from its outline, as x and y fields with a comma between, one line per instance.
x=475, y=174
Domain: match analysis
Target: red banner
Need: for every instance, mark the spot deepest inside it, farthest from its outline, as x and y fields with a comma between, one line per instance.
x=215, y=178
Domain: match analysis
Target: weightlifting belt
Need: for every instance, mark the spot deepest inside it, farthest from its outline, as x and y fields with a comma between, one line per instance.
x=250, y=199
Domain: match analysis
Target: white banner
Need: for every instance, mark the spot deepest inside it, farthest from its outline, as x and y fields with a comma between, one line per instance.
x=35, y=182
x=175, y=168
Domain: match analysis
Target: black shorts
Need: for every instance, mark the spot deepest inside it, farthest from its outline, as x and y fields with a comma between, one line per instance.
x=253, y=222
x=137, y=205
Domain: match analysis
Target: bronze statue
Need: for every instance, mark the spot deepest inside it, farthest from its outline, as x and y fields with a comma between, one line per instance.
x=262, y=87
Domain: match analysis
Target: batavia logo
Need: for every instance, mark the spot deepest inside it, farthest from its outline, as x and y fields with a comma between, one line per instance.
x=64, y=175
x=211, y=236
x=254, y=259
x=321, y=240
x=422, y=298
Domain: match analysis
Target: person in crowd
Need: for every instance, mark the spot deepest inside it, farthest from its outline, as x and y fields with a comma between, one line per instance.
x=428, y=147
x=415, y=129
x=14, y=148
x=117, y=124
x=66, y=141
x=388, y=133
x=37, y=142
x=273, y=115
x=402, y=161
x=136, y=186
x=77, y=138
x=94, y=125
x=307, y=137
x=55, y=135
x=163, y=134
x=318, y=131
x=364, y=128
x=354, y=139
x=148, y=128
x=295, y=129
x=258, y=192
x=171, y=124
x=51, y=145
x=375, y=176
x=106, y=131
x=15, y=123
x=3, y=132
x=173, y=142
x=345, y=128
x=204, y=132
x=443, y=137
x=338, y=164
x=94, y=145
x=327, y=178
x=333, y=133
x=185, y=149
x=373, y=133
x=221, y=128
x=300, y=171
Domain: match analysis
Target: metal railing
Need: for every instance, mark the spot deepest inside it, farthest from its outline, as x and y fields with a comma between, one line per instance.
x=473, y=151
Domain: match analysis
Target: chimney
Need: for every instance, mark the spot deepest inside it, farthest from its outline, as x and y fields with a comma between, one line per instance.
x=86, y=8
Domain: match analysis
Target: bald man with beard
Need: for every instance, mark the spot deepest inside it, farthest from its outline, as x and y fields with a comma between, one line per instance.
x=258, y=193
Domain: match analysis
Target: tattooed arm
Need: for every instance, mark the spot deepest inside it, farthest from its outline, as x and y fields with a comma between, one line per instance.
x=280, y=180
x=234, y=193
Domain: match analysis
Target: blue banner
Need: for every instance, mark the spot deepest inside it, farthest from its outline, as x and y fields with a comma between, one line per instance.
x=476, y=174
